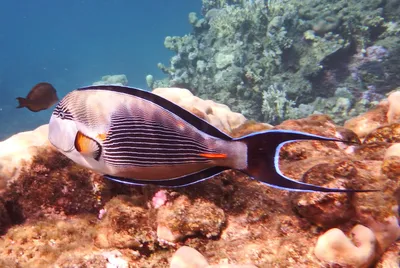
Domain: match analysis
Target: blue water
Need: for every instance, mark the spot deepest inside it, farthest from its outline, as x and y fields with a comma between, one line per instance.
x=74, y=43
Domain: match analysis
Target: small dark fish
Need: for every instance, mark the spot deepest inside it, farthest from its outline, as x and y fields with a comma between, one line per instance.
x=136, y=137
x=41, y=97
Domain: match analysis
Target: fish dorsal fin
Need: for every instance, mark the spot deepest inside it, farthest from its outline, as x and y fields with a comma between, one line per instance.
x=189, y=117
x=173, y=182
x=87, y=146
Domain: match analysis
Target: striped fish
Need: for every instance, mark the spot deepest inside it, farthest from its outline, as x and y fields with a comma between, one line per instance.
x=136, y=137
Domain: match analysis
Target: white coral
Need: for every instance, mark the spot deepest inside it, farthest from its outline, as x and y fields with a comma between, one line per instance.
x=335, y=247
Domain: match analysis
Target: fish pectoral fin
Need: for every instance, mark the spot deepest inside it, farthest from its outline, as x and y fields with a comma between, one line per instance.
x=87, y=146
x=173, y=182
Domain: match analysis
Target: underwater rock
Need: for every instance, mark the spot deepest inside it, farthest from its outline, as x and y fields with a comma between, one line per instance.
x=391, y=162
x=40, y=243
x=98, y=259
x=125, y=225
x=391, y=258
x=54, y=186
x=36, y=180
x=184, y=217
x=393, y=150
x=393, y=114
x=367, y=122
x=249, y=127
x=386, y=231
x=384, y=134
x=219, y=115
x=335, y=247
x=229, y=218
x=18, y=151
x=386, y=112
x=187, y=257
x=315, y=124
x=327, y=210
x=5, y=220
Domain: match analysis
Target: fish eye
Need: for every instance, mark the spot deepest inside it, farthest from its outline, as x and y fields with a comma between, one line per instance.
x=61, y=115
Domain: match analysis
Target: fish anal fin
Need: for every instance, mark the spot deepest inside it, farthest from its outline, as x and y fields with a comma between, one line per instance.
x=173, y=182
x=87, y=146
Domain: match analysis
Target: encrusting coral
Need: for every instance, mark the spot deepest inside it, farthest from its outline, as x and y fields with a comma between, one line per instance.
x=331, y=57
x=56, y=214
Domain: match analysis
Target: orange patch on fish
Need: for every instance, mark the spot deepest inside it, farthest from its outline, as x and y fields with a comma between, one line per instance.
x=181, y=125
x=102, y=136
x=213, y=156
x=82, y=143
x=87, y=146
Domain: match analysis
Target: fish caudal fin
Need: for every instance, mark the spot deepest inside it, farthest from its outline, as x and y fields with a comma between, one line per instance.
x=22, y=102
x=263, y=160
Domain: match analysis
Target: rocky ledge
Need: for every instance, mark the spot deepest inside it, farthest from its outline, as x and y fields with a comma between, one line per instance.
x=54, y=213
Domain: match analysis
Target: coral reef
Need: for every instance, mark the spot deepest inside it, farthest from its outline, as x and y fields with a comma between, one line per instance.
x=217, y=114
x=56, y=214
x=183, y=218
x=117, y=79
x=275, y=60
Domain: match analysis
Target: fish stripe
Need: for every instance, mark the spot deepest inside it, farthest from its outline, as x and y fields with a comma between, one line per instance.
x=141, y=136
x=135, y=141
x=146, y=163
x=139, y=140
x=142, y=130
x=149, y=128
x=171, y=107
x=144, y=142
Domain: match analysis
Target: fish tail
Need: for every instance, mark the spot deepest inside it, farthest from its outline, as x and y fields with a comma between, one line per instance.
x=263, y=160
x=22, y=102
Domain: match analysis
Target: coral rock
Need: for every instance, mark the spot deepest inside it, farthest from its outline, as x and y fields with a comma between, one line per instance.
x=219, y=115
x=389, y=134
x=324, y=209
x=386, y=231
x=393, y=114
x=367, y=122
x=187, y=257
x=393, y=150
x=5, y=220
x=391, y=163
x=18, y=150
x=125, y=225
x=41, y=243
x=53, y=185
x=335, y=247
x=184, y=218
x=391, y=258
